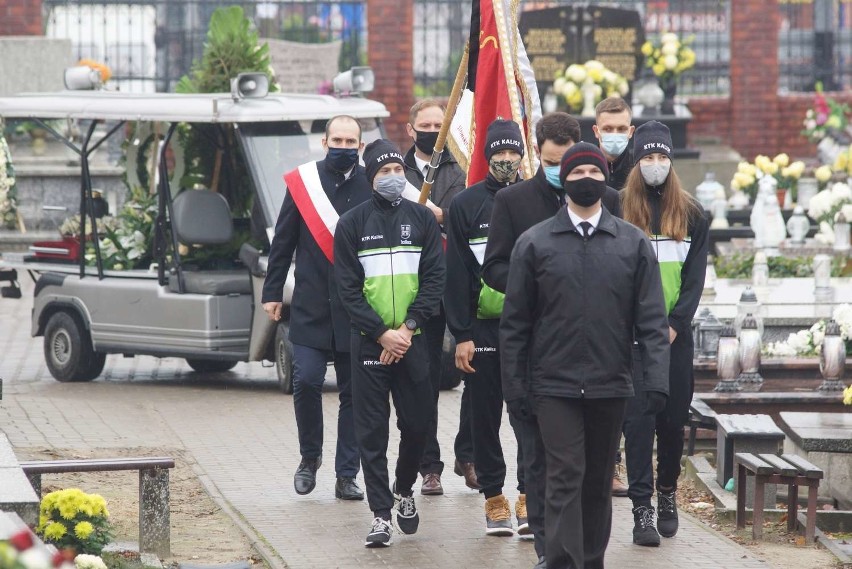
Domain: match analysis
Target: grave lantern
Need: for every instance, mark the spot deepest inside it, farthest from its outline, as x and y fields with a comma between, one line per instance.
x=708, y=336
x=748, y=304
x=749, y=349
x=832, y=358
x=728, y=361
x=760, y=270
x=841, y=233
x=696, y=325
x=798, y=226
x=822, y=277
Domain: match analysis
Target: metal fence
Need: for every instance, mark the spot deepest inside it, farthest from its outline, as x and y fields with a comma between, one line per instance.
x=150, y=44
x=815, y=45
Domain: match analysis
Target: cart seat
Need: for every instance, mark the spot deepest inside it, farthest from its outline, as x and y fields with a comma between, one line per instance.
x=215, y=283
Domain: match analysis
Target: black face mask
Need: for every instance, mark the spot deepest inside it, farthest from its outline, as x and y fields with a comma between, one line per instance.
x=585, y=191
x=425, y=141
x=342, y=159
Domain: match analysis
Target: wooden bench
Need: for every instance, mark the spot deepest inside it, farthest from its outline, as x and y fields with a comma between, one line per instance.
x=154, y=532
x=789, y=469
x=701, y=416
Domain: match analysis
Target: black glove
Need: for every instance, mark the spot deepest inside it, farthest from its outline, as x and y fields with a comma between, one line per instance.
x=520, y=409
x=655, y=402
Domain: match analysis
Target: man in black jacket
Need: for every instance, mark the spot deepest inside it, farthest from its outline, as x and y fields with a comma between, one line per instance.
x=473, y=314
x=582, y=286
x=319, y=326
x=389, y=265
x=424, y=122
x=515, y=210
x=613, y=130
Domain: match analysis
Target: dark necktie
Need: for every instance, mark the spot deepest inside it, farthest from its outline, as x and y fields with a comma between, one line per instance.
x=587, y=229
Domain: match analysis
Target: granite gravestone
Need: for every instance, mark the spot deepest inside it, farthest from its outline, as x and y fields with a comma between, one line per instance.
x=304, y=67
x=33, y=64
x=557, y=37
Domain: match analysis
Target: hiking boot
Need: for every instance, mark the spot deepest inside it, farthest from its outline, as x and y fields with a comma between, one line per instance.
x=347, y=489
x=644, y=531
x=619, y=488
x=404, y=513
x=381, y=534
x=521, y=515
x=666, y=513
x=305, y=479
x=432, y=484
x=498, y=516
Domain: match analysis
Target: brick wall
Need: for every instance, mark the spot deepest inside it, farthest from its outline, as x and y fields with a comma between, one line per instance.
x=755, y=119
x=20, y=18
x=390, y=54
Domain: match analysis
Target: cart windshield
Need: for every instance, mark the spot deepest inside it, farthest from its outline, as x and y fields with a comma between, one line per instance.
x=273, y=149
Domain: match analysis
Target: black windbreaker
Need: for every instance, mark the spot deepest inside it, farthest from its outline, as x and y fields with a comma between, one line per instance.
x=467, y=297
x=389, y=264
x=518, y=208
x=574, y=307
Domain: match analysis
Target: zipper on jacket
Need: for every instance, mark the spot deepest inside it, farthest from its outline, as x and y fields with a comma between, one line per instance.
x=390, y=253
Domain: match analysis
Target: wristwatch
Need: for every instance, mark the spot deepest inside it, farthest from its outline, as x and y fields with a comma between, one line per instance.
x=411, y=324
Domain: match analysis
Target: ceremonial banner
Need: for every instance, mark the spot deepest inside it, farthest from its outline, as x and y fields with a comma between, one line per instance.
x=500, y=83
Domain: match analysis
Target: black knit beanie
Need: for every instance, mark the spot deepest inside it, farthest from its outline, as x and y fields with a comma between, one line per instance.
x=651, y=137
x=582, y=153
x=377, y=154
x=503, y=135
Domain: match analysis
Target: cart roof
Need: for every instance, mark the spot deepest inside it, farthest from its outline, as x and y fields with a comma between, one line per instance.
x=174, y=107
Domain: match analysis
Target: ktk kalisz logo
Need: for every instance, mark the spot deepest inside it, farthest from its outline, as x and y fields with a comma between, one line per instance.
x=405, y=234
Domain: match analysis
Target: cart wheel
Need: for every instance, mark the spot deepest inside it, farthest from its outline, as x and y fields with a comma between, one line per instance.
x=68, y=349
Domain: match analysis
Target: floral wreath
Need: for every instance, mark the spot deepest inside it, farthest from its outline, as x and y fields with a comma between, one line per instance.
x=9, y=217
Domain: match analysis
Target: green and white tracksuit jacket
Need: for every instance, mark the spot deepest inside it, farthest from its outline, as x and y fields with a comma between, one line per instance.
x=683, y=264
x=389, y=264
x=467, y=296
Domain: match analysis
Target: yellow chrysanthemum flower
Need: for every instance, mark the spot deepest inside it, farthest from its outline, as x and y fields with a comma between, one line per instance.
x=83, y=530
x=647, y=49
x=847, y=396
x=54, y=531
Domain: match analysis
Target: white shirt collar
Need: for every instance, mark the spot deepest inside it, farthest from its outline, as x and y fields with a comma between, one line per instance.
x=421, y=164
x=594, y=220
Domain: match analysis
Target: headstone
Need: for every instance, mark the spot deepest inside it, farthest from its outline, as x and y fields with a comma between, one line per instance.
x=33, y=64
x=304, y=67
x=556, y=37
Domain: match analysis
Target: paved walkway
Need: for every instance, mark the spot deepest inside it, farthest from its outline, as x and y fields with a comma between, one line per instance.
x=240, y=430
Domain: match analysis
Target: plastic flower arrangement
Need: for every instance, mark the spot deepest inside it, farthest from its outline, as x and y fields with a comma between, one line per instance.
x=785, y=172
x=669, y=57
x=8, y=187
x=826, y=115
x=102, y=69
x=843, y=163
x=73, y=519
x=824, y=208
x=569, y=83
x=809, y=342
x=823, y=176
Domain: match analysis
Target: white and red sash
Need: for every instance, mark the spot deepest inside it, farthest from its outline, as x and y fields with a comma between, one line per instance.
x=316, y=209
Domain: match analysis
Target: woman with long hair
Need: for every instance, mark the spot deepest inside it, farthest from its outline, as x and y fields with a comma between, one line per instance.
x=654, y=200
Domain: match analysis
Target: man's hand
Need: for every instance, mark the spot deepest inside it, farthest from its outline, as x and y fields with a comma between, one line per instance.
x=388, y=358
x=395, y=343
x=464, y=355
x=672, y=335
x=655, y=402
x=438, y=212
x=273, y=310
x=520, y=409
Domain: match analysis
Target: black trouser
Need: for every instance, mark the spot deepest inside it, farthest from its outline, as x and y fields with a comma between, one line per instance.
x=534, y=476
x=640, y=429
x=580, y=437
x=309, y=367
x=408, y=383
x=486, y=391
x=463, y=446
